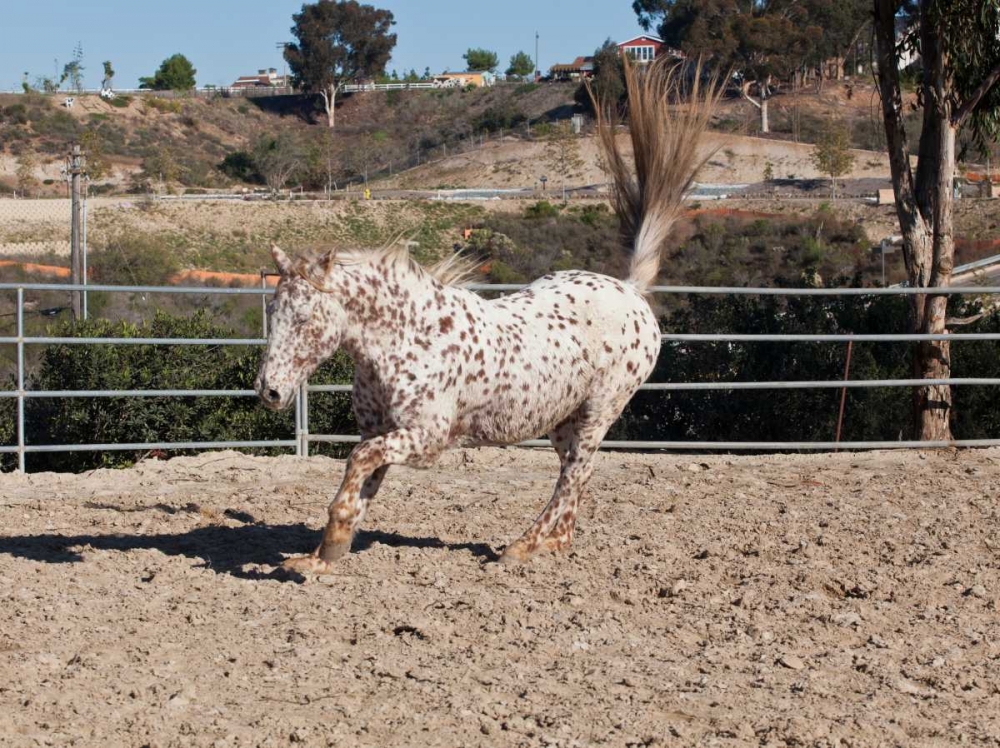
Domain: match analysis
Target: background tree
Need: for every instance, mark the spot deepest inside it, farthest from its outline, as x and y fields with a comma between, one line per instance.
x=960, y=59
x=832, y=155
x=98, y=164
x=843, y=22
x=278, y=159
x=27, y=183
x=176, y=73
x=480, y=60
x=109, y=75
x=323, y=158
x=760, y=41
x=73, y=70
x=608, y=82
x=563, y=151
x=337, y=43
x=160, y=167
x=521, y=65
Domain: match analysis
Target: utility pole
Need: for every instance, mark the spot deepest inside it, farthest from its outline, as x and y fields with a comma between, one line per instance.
x=284, y=63
x=75, y=171
x=538, y=66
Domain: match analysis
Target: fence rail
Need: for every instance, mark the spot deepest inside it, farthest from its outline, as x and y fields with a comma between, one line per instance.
x=303, y=438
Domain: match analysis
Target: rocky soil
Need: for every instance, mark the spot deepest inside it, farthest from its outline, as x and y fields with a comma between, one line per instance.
x=830, y=600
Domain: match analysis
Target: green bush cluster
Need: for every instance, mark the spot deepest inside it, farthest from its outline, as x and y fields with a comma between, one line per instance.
x=159, y=419
x=503, y=116
x=805, y=414
x=766, y=415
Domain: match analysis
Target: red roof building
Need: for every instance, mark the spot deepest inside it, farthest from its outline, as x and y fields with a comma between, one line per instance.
x=647, y=48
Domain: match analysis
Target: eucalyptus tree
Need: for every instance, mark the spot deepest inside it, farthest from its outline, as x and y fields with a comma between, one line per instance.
x=957, y=46
x=338, y=41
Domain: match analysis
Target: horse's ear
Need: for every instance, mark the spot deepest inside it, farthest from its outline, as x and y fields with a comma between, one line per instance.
x=326, y=263
x=281, y=259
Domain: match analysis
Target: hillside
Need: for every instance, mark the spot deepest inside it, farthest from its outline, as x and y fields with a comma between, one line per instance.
x=182, y=142
x=189, y=138
x=515, y=163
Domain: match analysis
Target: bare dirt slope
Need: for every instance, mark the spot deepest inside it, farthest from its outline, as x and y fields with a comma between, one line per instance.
x=833, y=600
x=515, y=163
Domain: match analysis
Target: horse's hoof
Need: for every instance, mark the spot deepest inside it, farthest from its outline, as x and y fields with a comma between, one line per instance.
x=307, y=564
x=516, y=553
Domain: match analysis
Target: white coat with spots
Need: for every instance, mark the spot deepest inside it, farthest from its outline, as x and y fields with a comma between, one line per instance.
x=437, y=366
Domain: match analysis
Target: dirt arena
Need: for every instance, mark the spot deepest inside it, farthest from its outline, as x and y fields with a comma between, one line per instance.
x=832, y=600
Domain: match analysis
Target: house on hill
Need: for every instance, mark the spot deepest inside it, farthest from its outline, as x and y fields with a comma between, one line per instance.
x=647, y=48
x=268, y=78
x=580, y=68
x=642, y=49
x=461, y=80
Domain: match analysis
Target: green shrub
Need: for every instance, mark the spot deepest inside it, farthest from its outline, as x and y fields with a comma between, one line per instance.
x=242, y=167
x=541, y=209
x=501, y=272
x=595, y=214
x=15, y=114
x=8, y=431
x=134, y=260
x=544, y=130
x=167, y=106
x=162, y=419
x=59, y=125
x=501, y=117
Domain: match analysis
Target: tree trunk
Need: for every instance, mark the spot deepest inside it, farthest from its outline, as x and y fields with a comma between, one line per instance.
x=330, y=104
x=762, y=87
x=924, y=210
x=934, y=358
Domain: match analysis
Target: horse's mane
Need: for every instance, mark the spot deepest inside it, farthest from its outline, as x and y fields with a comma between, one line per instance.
x=454, y=270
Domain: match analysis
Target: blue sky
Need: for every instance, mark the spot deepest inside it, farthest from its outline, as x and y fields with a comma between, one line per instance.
x=227, y=38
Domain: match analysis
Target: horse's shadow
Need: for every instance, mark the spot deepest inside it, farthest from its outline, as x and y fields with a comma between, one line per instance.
x=221, y=548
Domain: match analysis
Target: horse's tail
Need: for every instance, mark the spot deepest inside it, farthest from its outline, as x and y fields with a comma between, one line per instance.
x=668, y=111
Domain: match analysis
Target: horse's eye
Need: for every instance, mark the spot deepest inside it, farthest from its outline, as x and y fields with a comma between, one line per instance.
x=271, y=306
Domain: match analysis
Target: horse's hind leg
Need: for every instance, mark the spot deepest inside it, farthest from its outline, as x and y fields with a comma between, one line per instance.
x=576, y=440
x=561, y=534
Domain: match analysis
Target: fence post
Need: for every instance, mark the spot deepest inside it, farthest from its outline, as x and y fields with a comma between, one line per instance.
x=304, y=421
x=83, y=253
x=298, y=422
x=20, y=379
x=76, y=234
x=263, y=303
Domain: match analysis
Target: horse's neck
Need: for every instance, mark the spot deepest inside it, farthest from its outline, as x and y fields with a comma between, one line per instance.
x=385, y=304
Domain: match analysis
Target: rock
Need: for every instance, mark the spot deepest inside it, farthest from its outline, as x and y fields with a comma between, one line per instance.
x=791, y=662
x=846, y=619
x=977, y=591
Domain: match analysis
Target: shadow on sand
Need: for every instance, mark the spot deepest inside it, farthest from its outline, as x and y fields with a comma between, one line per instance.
x=222, y=549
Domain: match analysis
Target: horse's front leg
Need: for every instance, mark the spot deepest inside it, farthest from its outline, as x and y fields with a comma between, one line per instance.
x=366, y=467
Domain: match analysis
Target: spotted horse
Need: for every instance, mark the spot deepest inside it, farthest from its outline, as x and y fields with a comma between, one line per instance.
x=437, y=366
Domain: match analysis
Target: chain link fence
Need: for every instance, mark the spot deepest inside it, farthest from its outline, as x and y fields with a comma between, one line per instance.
x=34, y=230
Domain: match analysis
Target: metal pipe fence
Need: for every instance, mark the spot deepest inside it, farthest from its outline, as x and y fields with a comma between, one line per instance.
x=303, y=437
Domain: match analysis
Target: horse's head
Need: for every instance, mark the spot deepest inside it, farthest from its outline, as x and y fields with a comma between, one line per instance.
x=306, y=328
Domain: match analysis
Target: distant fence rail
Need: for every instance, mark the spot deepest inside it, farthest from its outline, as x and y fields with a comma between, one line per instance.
x=251, y=91
x=303, y=438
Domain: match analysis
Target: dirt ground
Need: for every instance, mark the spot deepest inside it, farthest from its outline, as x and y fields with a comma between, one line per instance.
x=831, y=600
x=516, y=163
